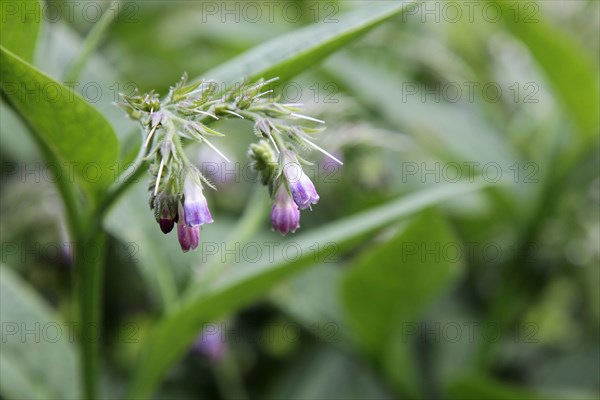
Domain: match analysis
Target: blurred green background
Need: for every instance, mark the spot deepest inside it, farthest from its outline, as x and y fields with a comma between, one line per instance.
x=494, y=293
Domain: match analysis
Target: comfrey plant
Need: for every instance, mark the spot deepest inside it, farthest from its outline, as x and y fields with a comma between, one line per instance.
x=176, y=186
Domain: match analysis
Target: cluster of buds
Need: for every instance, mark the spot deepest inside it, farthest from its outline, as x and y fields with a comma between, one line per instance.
x=176, y=185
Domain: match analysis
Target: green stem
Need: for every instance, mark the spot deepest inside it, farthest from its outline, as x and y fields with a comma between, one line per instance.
x=89, y=262
x=91, y=42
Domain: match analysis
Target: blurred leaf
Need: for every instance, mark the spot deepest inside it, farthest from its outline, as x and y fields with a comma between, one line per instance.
x=73, y=130
x=17, y=143
x=324, y=373
x=572, y=72
x=308, y=299
x=573, y=374
x=171, y=336
x=449, y=130
x=37, y=359
x=20, y=26
x=390, y=287
x=481, y=387
x=291, y=54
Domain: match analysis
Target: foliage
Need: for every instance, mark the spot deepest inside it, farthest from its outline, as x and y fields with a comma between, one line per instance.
x=453, y=255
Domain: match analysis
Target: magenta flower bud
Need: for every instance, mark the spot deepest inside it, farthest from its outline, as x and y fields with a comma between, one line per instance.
x=195, y=207
x=285, y=216
x=189, y=236
x=302, y=188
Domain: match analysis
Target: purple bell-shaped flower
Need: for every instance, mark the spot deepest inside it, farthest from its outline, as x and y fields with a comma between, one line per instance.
x=302, y=188
x=285, y=216
x=195, y=206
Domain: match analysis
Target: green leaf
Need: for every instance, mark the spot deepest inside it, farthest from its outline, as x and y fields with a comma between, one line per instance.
x=451, y=130
x=573, y=73
x=390, y=287
x=37, y=359
x=20, y=26
x=482, y=387
x=75, y=132
x=293, y=53
x=171, y=336
x=324, y=373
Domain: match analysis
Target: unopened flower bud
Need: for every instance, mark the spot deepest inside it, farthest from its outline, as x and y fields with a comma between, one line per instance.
x=165, y=210
x=285, y=216
x=189, y=236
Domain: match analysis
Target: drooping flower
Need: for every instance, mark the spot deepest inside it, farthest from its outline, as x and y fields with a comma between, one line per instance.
x=302, y=188
x=285, y=216
x=195, y=207
x=189, y=236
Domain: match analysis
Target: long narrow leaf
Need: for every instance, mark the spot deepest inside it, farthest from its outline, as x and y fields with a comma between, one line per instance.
x=289, y=55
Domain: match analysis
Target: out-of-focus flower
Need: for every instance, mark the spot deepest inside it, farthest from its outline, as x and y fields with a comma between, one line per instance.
x=210, y=343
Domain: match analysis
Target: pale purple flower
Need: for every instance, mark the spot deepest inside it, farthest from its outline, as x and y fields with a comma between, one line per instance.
x=195, y=207
x=285, y=216
x=302, y=188
x=189, y=236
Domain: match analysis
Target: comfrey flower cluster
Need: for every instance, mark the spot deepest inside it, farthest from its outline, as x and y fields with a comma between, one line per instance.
x=176, y=185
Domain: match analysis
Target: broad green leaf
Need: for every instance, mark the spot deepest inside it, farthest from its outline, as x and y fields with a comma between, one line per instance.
x=388, y=290
x=572, y=72
x=291, y=54
x=37, y=360
x=171, y=336
x=75, y=132
x=482, y=387
x=20, y=24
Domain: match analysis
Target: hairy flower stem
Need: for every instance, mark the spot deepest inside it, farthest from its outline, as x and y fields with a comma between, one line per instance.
x=275, y=135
